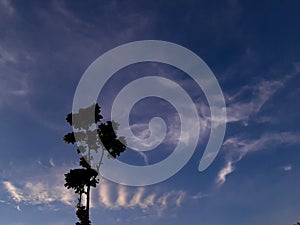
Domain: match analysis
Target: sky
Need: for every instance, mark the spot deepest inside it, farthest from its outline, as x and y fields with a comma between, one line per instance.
x=253, y=49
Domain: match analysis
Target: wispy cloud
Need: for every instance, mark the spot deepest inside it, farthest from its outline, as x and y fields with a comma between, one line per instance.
x=51, y=162
x=39, y=193
x=241, y=146
x=15, y=193
x=6, y=56
x=114, y=196
x=198, y=196
x=137, y=198
x=238, y=147
x=243, y=106
x=105, y=195
x=261, y=93
x=46, y=189
x=287, y=168
x=256, y=95
x=247, y=111
x=221, y=178
x=122, y=196
x=18, y=208
x=7, y=7
x=14, y=79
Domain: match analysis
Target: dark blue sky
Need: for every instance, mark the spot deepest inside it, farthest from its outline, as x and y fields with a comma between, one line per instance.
x=251, y=46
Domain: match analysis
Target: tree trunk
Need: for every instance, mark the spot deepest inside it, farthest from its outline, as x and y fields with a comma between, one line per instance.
x=88, y=201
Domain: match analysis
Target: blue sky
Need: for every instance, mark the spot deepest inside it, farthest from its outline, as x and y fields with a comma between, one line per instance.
x=251, y=46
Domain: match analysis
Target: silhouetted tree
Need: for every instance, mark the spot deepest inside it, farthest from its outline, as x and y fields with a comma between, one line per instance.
x=82, y=179
x=298, y=223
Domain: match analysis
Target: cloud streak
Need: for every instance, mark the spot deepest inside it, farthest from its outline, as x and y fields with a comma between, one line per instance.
x=7, y=7
x=261, y=93
x=238, y=147
x=228, y=169
x=123, y=197
x=287, y=168
x=15, y=193
x=39, y=193
x=238, y=109
x=112, y=197
x=246, y=111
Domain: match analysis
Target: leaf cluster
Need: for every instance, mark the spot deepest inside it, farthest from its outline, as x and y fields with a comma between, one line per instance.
x=93, y=134
x=77, y=179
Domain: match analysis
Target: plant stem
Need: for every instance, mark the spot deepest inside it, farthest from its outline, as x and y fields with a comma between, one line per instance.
x=88, y=201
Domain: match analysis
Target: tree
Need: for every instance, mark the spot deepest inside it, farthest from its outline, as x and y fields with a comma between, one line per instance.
x=90, y=134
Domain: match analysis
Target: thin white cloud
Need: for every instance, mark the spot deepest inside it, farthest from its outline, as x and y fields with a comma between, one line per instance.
x=59, y=7
x=104, y=194
x=260, y=93
x=287, y=168
x=122, y=196
x=137, y=198
x=36, y=193
x=112, y=196
x=8, y=8
x=51, y=162
x=163, y=200
x=46, y=189
x=144, y=156
x=15, y=193
x=174, y=135
x=228, y=169
x=238, y=147
x=14, y=81
x=7, y=56
x=150, y=200
x=180, y=198
x=242, y=111
x=237, y=110
x=198, y=196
